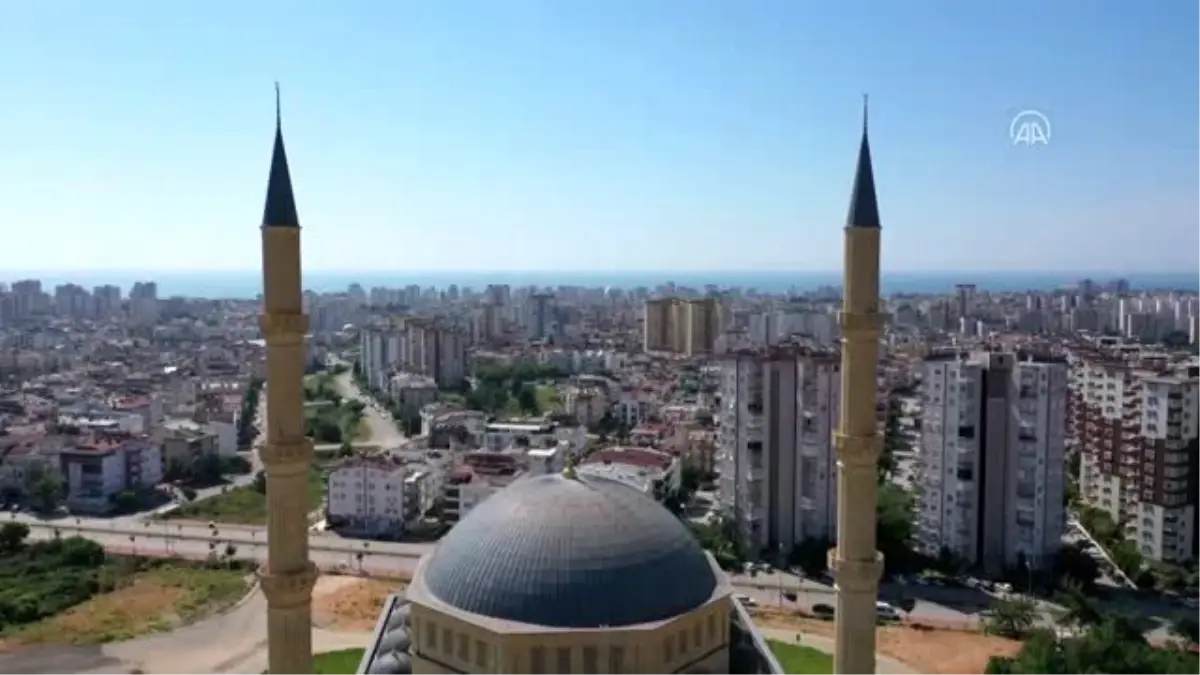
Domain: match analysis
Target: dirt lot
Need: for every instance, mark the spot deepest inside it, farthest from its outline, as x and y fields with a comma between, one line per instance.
x=929, y=650
x=350, y=603
x=154, y=600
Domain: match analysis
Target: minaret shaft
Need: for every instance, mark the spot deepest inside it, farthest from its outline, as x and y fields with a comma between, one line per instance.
x=288, y=576
x=856, y=564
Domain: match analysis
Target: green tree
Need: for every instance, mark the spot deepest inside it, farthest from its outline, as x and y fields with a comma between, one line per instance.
x=12, y=537
x=527, y=399
x=1186, y=628
x=1077, y=608
x=894, y=529
x=1011, y=617
x=45, y=487
x=1075, y=564
x=1114, y=646
x=893, y=440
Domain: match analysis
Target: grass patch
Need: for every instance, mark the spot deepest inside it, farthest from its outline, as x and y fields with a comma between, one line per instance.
x=243, y=505
x=160, y=596
x=339, y=662
x=547, y=398
x=801, y=659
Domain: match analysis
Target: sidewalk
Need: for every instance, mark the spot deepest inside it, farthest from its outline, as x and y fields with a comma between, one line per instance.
x=883, y=664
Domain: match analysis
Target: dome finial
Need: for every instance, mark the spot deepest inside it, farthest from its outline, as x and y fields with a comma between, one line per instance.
x=278, y=108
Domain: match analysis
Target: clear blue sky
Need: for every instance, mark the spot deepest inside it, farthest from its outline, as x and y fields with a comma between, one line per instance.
x=598, y=134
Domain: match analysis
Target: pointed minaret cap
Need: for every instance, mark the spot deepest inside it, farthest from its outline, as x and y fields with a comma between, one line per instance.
x=280, y=209
x=864, y=209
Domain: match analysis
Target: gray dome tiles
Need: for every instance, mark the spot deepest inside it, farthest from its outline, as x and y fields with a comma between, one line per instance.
x=391, y=653
x=571, y=553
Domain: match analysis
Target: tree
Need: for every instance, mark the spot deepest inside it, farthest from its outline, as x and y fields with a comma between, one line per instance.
x=527, y=399
x=1011, y=617
x=894, y=528
x=189, y=494
x=893, y=440
x=1078, y=609
x=125, y=501
x=811, y=555
x=1186, y=628
x=1126, y=556
x=1113, y=646
x=44, y=486
x=1073, y=564
x=13, y=536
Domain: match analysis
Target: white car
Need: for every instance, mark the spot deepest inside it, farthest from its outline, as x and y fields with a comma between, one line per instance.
x=886, y=612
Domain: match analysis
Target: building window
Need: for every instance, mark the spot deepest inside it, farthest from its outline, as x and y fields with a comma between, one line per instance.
x=537, y=660
x=481, y=654
x=683, y=642
x=430, y=635
x=697, y=636
x=447, y=641
x=591, y=660
x=464, y=648
x=563, y=656
x=669, y=649
x=711, y=628
x=616, y=659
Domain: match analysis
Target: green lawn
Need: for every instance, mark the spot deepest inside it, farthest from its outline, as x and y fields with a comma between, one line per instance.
x=343, y=661
x=547, y=398
x=801, y=659
x=243, y=505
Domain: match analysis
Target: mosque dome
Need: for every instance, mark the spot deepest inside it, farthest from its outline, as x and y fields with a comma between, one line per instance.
x=571, y=552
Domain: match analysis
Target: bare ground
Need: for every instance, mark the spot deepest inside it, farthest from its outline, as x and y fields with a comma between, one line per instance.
x=350, y=603
x=927, y=650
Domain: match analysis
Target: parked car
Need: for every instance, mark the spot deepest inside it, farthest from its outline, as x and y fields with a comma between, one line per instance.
x=823, y=611
x=886, y=612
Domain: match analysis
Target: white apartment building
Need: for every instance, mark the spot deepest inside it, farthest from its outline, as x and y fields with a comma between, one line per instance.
x=95, y=472
x=500, y=435
x=366, y=495
x=381, y=351
x=777, y=466
x=656, y=473
x=1134, y=420
x=992, y=473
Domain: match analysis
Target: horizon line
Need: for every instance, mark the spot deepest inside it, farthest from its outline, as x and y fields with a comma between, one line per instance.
x=11, y=272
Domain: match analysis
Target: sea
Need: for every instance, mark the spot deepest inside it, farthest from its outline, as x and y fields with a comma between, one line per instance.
x=248, y=284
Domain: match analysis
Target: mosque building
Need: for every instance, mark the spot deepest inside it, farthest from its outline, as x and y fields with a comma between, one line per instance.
x=563, y=573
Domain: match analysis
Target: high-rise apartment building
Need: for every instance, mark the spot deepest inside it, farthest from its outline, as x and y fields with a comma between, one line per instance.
x=681, y=326
x=1133, y=417
x=778, y=472
x=992, y=439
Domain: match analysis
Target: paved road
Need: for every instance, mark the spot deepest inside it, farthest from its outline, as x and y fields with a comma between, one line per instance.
x=384, y=432
x=190, y=534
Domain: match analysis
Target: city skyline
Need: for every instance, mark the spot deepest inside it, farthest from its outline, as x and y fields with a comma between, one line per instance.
x=538, y=136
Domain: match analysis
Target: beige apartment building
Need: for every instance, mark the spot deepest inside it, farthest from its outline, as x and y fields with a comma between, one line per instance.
x=1132, y=415
x=681, y=326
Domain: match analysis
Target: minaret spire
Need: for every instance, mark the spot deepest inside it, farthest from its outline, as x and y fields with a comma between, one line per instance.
x=288, y=576
x=280, y=209
x=855, y=563
x=864, y=209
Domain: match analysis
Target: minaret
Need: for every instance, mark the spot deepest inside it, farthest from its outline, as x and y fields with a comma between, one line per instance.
x=856, y=564
x=288, y=576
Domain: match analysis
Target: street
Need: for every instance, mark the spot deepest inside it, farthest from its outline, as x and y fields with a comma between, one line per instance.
x=384, y=432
